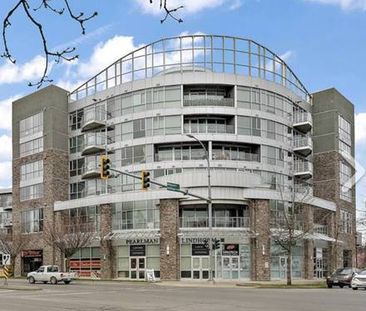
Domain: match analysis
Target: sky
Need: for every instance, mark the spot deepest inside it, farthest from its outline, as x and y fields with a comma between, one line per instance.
x=323, y=41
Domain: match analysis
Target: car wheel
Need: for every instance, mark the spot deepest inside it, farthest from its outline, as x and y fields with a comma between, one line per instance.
x=355, y=288
x=67, y=282
x=44, y=282
x=329, y=285
x=53, y=280
x=341, y=285
x=31, y=280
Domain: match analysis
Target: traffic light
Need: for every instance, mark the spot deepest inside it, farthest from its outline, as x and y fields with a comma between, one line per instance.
x=216, y=244
x=145, y=180
x=105, y=165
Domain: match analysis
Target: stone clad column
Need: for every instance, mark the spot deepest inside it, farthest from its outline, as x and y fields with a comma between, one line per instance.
x=169, y=243
x=106, y=248
x=261, y=240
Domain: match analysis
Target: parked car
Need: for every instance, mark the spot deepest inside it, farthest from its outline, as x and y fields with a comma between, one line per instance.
x=341, y=277
x=359, y=280
x=50, y=274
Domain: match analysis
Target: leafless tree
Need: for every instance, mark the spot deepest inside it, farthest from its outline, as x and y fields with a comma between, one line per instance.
x=12, y=244
x=291, y=226
x=69, y=236
x=68, y=54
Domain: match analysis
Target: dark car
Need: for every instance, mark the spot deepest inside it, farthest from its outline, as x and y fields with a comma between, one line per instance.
x=341, y=277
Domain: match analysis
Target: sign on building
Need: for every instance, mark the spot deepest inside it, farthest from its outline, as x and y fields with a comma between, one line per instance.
x=6, y=259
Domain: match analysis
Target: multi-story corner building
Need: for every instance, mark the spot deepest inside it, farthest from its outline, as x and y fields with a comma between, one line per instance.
x=154, y=110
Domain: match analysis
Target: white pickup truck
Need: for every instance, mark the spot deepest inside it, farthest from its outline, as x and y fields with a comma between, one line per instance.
x=50, y=274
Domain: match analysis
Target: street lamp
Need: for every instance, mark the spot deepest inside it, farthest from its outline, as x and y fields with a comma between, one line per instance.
x=209, y=202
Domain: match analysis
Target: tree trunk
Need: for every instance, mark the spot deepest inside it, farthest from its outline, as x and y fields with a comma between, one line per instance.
x=12, y=264
x=289, y=264
x=67, y=264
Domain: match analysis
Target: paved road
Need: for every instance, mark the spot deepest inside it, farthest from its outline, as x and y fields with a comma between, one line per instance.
x=116, y=296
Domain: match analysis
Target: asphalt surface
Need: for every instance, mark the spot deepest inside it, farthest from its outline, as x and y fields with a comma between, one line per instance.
x=120, y=296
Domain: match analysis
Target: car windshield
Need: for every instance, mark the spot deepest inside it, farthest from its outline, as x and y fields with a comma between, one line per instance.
x=346, y=271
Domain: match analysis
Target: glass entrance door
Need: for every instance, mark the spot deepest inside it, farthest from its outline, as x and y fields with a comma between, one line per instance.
x=199, y=267
x=230, y=267
x=319, y=268
x=137, y=268
x=283, y=267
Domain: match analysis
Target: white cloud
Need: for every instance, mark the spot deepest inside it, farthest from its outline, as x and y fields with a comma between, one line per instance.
x=5, y=174
x=344, y=4
x=5, y=112
x=6, y=147
x=360, y=128
x=104, y=54
x=190, y=6
x=29, y=71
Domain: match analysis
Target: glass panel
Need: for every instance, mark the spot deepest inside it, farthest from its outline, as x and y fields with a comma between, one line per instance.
x=133, y=263
x=141, y=263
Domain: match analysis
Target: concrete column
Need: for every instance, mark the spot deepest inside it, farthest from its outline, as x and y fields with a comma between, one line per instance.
x=169, y=243
x=106, y=249
x=261, y=240
x=308, y=255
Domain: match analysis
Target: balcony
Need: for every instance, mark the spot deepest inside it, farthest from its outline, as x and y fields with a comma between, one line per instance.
x=304, y=189
x=303, y=169
x=94, y=118
x=303, y=121
x=91, y=169
x=217, y=222
x=222, y=102
x=8, y=222
x=322, y=229
x=209, y=128
x=94, y=143
x=303, y=145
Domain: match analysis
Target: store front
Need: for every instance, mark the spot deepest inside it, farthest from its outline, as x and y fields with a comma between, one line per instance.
x=230, y=262
x=86, y=262
x=279, y=261
x=135, y=256
x=31, y=260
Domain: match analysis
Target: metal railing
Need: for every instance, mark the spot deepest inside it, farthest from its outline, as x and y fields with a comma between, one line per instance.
x=209, y=128
x=300, y=142
x=303, y=166
x=94, y=114
x=322, y=229
x=124, y=224
x=302, y=116
x=242, y=156
x=217, y=222
x=222, y=102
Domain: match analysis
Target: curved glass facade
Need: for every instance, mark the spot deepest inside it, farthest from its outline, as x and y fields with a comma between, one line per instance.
x=218, y=54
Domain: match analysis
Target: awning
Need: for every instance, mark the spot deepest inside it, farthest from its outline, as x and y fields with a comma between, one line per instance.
x=133, y=234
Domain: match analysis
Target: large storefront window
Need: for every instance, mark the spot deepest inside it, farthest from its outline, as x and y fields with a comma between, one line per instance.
x=134, y=259
x=86, y=261
x=31, y=260
x=279, y=261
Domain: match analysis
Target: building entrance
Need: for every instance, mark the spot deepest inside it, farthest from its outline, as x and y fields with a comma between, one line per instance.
x=31, y=260
x=137, y=268
x=283, y=267
x=200, y=266
x=230, y=267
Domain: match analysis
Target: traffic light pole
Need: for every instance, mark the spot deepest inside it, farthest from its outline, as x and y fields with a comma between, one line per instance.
x=185, y=192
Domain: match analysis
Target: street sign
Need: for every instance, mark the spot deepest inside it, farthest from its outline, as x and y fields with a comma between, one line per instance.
x=172, y=186
x=6, y=259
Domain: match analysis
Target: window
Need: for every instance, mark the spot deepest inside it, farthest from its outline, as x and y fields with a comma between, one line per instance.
x=32, y=221
x=31, y=125
x=75, y=119
x=345, y=181
x=31, y=147
x=76, y=143
x=249, y=126
x=76, y=167
x=31, y=192
x=77, y=190
x=346, y=222
x=139, y=128
x=345, y=139
x=31, y=171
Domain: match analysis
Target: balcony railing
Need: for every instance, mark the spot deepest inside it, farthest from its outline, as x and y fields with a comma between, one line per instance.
x=322, y=229
x=303, y=169
x=222, y=102
x=303, y=142
x=94, y=143
x=125, y=224
x=209, y=128
x=93, y=118
x=303, y=120
x=242, y=156
x=217, y=222
x=304, y=189
x=90, y=169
